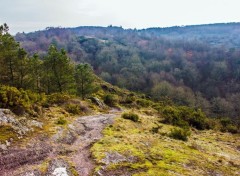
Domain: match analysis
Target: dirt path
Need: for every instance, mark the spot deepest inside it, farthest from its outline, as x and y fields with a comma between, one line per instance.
x=77, y=138
x=93, y=125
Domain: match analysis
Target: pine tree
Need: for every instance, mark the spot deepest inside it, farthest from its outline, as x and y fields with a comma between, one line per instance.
x=8, y=56
x=58, y=71
x=84, y=77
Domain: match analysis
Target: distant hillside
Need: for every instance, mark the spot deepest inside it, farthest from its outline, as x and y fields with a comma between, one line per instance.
x=197, y=66
x=222, y=34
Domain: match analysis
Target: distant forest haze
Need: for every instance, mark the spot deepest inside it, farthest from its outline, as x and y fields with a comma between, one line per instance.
x=196, y=66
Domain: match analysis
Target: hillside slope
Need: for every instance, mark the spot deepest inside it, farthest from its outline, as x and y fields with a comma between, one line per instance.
x=198, y=65
x=78, y=146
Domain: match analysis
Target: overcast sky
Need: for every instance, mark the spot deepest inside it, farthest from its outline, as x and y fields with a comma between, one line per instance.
x=32, y=15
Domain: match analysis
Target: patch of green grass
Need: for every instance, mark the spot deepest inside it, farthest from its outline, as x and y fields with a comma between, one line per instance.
x=157, y=154
x=7, y=132
x=61, y=121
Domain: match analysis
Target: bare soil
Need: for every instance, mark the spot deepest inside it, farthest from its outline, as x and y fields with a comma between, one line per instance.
x=72, y=143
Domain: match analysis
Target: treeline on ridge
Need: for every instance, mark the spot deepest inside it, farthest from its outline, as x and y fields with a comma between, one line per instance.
x=196, y=66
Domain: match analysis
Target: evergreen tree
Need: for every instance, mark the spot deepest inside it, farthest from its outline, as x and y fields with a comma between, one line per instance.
x=22, y=69
x=36, y=73
x=84, y=77
x=58, y=71
x=8, y=56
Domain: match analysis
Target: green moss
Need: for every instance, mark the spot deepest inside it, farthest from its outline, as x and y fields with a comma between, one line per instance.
x=157, y=154
x=61, y=121
x=7, y=132
x=44, y=166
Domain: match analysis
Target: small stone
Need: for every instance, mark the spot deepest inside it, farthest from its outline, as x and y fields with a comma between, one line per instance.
x=3, y=147
x=8, y=143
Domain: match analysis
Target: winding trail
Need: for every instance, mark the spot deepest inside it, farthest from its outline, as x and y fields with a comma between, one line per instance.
x=93, y=126
x=82, y=132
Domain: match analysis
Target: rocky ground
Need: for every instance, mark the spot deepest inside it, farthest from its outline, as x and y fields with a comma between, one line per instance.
x=64, y=153
x=102, y=145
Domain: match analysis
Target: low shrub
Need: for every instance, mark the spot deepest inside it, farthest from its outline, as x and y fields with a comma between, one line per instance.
x=225, y=121
x=73, y=108
x=58, y=98
x=180, y=134
x=19, y=100
x=172, y=116
x=155, y=129
x=228, y=126
x=11, y=96
x=184, y=117
x=144, y=102
x=128, y=100
x=110, y=100
x=131, y=116
x=61, y=121
x=232, y=129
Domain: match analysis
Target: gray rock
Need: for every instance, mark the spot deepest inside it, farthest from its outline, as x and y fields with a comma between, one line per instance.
x=58, y=167
x=34, y=123
x=98, y=102
x=3, y=147
x=8, y=143
x=115, y=157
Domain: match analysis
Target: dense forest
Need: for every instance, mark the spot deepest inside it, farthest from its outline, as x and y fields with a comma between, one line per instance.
x=196, y=66
x=54, y=73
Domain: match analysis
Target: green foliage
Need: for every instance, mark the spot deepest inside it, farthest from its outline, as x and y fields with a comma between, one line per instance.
x=19, y=100
x=156, y=129
x=172, y=116
x=225, y=121
x=184, y=117
x=73, y=108
x=36, y=72
x=144, y=102
x=110, y=100
x=180, y=134
x=58, y=71
x=131, y=116
x=182, y=73
x=228, y=126
x=232, y=129
x=85, y=78
x=7, y=132
x=220, y=107
x=53, y=74
x=61, y=121
x=181, y=96
x=129, y=99
x=58, y=98
x=8, y=57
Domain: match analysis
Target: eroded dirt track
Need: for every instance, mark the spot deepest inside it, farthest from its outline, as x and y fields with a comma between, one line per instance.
x=73, y=143
x=93, y=126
